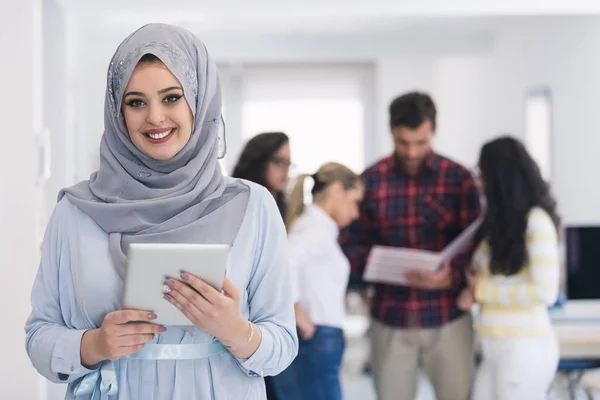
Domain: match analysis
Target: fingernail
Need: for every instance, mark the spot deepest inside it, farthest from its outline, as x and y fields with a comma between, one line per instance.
x=167, y=297
x=152, y=316
x=170, y=282
x=162, y=329
x=166, y=289
x=185, y=276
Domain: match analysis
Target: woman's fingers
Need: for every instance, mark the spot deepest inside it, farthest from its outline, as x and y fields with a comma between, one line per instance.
x=135, y=340
x=125, y=316
x=141, y=329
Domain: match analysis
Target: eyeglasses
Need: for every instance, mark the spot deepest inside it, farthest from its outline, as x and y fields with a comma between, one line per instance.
x=282, y=163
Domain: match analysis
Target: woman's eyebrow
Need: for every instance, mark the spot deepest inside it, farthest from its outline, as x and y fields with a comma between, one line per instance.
x=134, y=94
x=165, y=90
x=169, y=89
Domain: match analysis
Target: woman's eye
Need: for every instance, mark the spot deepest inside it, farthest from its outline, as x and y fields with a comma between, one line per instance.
x=172, y=99
x=135, y=103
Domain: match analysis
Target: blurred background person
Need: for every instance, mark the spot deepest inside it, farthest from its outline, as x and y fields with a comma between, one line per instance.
x=515, y=276
x=416, y=198
x=265, y=160
x=320, y=273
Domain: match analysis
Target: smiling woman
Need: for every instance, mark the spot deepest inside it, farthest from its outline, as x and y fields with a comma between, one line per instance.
x=159, y=181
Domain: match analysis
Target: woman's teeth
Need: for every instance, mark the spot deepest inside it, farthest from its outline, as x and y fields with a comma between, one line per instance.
x=163, y=135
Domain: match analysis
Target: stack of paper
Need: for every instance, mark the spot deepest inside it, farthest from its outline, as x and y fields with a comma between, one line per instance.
x=390, y=264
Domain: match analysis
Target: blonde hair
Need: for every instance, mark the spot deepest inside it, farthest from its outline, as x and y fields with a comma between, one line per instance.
x=326, y=175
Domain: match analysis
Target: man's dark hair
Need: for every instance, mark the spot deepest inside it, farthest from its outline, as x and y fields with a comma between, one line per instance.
x=411, y=110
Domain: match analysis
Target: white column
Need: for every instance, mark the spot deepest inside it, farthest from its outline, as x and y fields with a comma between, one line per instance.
x=21, y=115
x=56, y=98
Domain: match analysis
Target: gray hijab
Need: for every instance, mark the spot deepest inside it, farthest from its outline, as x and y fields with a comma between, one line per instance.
x=182, y=200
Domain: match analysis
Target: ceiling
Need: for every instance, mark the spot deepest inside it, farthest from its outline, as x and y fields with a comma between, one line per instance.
x=321, y=16
x=346, y=7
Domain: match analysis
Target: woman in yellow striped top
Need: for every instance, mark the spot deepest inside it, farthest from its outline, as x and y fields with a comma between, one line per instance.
x=515, y=276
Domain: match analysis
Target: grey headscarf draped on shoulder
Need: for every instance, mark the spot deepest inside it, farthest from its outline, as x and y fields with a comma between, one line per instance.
x=182, y=200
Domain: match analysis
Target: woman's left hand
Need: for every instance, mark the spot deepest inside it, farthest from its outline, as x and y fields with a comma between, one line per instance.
x=213, y=312
x=473, y=275
x=466, y=300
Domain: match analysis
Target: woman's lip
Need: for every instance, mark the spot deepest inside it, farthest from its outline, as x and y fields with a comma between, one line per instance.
x=158, y=130
x=162, y=140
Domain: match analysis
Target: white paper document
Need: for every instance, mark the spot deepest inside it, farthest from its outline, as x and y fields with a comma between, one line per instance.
x=387, y=264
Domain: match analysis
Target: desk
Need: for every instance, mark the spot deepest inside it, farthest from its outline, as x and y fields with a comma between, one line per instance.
x=580, y=342
x=577, y=326
x=577, y=311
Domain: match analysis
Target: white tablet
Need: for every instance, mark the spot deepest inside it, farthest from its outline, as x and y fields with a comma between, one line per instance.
x=150, y=264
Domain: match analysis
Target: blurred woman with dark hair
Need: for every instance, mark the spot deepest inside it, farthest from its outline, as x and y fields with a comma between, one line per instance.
x=266, y=160
x=515, y=276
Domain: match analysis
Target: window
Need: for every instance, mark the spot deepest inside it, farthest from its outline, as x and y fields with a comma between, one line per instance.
x=321, y=109
x=538, y=133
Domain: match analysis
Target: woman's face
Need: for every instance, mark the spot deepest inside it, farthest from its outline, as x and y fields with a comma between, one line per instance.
x=158, y=118
x=278, y=168
x=347, y=203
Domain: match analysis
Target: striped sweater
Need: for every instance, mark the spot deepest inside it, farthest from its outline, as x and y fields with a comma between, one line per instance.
x=517, y=305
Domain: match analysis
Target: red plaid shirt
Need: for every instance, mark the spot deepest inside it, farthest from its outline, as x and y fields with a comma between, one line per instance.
x=426, y=211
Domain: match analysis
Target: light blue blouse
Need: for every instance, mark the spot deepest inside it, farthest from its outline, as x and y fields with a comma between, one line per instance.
x=67, y=302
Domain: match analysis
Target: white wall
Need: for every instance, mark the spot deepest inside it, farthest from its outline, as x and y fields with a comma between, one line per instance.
x=233, y=98
x=21, y=114
x=459, y=90
x=562, y=54
x=479, y=97
x=503, y=83
x=567, y=58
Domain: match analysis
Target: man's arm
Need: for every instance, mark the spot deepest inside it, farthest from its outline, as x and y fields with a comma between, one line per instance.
x=470, y=210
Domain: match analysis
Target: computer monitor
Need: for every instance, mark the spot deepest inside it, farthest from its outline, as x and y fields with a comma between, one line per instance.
x=582, y=262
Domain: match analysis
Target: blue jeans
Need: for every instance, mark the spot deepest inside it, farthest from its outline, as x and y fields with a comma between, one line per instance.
x=314, y=374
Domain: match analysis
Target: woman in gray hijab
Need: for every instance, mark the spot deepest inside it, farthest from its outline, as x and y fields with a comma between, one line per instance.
x=159, y=181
